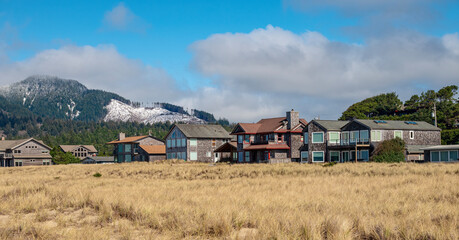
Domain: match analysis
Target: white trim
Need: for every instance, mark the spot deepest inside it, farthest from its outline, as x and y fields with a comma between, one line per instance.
x=411, y=132
x=301, y=155
x=350, y=136
x=323, y=156
x=339, y=137
x=401, y=131
x=380, y=135
x=323, y=137
x=339, y=156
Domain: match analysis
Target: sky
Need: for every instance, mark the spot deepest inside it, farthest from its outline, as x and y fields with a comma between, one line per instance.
x=241, y=60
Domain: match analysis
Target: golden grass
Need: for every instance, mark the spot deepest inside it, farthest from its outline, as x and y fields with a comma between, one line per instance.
x=201, y=201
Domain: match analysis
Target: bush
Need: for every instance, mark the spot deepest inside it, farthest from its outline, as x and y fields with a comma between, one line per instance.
x=390, y=151
x=97, y=174
x=60, y=157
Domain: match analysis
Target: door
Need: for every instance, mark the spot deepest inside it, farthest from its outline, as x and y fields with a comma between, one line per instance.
x=345, y=157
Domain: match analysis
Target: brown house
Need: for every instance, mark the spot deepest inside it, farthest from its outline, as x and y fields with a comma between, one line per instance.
x=272, y=140
x=80, y=151
x=128, y=149
x=195, y=142
x=343, y=141
x=24, y=152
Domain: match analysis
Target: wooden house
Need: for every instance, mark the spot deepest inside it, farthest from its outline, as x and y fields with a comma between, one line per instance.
x=24, y=152
x=128, y=149
x=80, y=151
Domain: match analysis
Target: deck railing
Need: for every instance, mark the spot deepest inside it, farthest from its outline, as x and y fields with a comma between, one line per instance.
x=348, y=142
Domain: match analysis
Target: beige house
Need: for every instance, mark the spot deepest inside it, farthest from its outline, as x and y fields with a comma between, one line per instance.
x=24, y=152
x=80, y=151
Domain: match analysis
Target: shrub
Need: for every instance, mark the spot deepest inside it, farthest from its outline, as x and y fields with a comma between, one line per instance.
x=97, y=174
x=390, y=151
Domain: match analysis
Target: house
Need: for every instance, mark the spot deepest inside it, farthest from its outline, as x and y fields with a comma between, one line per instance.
x=128, y=149
x=195, y=142
x=441, y=153
x=24, y=152
x=355, y=140
x=152, y=152
x=98, y=160
x=273, y=140
x=228, y=152
x=80, y=151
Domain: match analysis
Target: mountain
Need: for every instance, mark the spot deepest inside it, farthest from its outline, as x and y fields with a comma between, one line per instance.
x=56, y=98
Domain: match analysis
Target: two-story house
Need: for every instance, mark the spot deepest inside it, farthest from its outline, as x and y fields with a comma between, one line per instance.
x=195, y=142
x=24, y=152
x=80, y=151
x=356, y=140
x=128, y=149
x=273, y=140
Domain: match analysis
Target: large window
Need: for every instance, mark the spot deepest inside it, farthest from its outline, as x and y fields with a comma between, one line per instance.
x=173, y=143
x=174, y=156
x=240, y=157
x=334, y=156
x=127, y=158
x=435, y=156
x=317, y=156
x=247, y=138
x=364, y=136
x=345, y=137
x=398, y=134
x=168, y=144
x=304, y=156
x=120, y=148
x=444, y=156
x=179, y=143
x=193, y=142
x=364, y=155
x=453, y=156
x=306, y=137
x=193, y=156
x=318, y=137
x=333, y=137
x=376, y=136
x=183, y=142
x=247, y=156
x=354, y=136
x=127, y=148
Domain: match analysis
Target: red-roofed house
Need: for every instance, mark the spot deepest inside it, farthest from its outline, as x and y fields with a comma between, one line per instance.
x=138, y=148
x=272, y=140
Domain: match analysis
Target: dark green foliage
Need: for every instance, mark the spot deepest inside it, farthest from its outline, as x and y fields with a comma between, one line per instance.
x=450, y=136
x=208, y=117
x=390, y=151
x=173, y=108
x=91, y=104
x=59, y=157
x=97, y=174
x=381, y=105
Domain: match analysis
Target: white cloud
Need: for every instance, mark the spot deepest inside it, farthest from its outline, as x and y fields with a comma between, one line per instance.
x=100, y=67
x=123, y=19
x=301, y=70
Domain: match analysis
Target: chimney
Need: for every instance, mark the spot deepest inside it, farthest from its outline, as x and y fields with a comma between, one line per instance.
x=122, y=136
x=3, y=138
x=293, y=119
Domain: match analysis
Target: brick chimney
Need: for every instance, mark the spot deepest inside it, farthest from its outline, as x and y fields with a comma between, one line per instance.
x=121, y=136
x=293, y=119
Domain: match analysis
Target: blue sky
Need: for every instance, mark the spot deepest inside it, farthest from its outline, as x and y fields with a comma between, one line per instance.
x=239, y=59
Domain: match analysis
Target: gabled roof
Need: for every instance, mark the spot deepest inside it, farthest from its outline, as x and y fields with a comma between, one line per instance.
x=227, y=147
x=11, y=144
x=266, y=125
x=69, y=148
x=398, y=125
x=154, y=149
x=202, y=131
x=134, y=139
x=331, y=125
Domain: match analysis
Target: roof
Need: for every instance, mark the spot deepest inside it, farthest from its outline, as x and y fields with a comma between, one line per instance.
x=398, y=125
x=267, y=125
x=331, y=125
x=131, y=139
x=416, y=148
x=442, y=147
x=154, y=149
x=267, y=147
x=203, y=131
x=101, y=158
x=9, y=144
x=69, y=148
x=227, y=147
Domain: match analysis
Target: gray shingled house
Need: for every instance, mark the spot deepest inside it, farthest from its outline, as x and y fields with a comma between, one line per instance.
x=195, y=142
x=350, y=140
x=24, y=152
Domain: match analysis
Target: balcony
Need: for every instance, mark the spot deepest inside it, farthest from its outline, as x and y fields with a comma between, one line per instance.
x=350, y=142
x=266, y=142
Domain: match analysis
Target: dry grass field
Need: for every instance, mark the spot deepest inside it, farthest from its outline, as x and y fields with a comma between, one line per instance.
x=200, y=201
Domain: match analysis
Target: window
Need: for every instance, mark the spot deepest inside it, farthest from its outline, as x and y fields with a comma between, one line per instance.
x=214, y=142
x=444, y=156
x=352, y=156
x=434, y=156
x=120, y=148
x=184, y=155
x=364, y=136
x=306, y=137
x=240, y=138
x=193, y=156
x=17, y=151
x=247, y=138
x=127, y=148
x=345, y=137
x=179, y=142
x=247, y=156
x=208, y=154
x=174, y=156
x=333, y=137
x=128, y=158
x=168, y=143
x=18, y=164
x=168, y=156
x=376, y=136
x=453, y=156
x=318, y=137
x=179, y=155
x=304, y=156
x=364, y=155
x=354, y=136
x=234, y=155
x=411, y=134
x=334, y=156
x=183, y=142
x=173, y=143
x=193, y=142
x=317, y=156
x=398, y=134
x=240, y=157
x=280, y=137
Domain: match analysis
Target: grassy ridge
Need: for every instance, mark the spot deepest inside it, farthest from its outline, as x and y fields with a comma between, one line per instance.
x=200, y=201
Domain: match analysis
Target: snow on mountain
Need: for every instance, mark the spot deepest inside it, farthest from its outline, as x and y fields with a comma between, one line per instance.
x=119, y=111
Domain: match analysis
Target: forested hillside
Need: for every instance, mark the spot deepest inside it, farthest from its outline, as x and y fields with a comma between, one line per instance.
x=417, y=108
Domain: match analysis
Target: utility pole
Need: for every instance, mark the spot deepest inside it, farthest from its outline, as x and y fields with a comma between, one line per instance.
x=435, y=113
